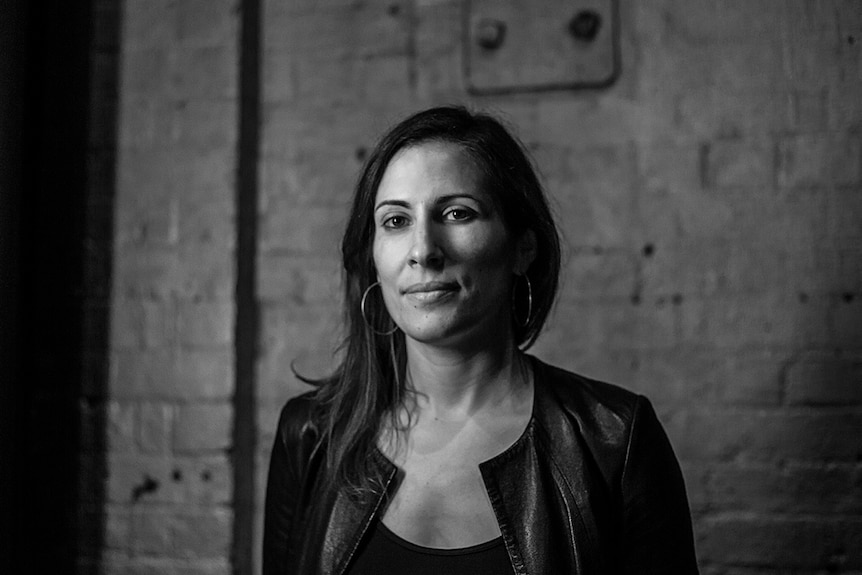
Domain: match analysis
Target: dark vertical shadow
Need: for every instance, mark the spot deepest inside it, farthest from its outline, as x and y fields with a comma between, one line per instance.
x=58, y=125
x=246, y=327
x=95, y=295
x=12, y=96
x=50, y=312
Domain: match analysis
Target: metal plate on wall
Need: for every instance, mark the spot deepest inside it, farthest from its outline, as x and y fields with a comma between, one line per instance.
x=533, y=45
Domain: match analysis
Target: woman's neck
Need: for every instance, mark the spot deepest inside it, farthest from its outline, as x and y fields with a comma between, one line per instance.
x=456, y=383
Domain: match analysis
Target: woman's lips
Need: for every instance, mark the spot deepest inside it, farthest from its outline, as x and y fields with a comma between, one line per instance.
x=429, y=292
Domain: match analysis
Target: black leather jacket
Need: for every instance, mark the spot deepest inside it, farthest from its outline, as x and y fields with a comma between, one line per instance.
x=592, y=486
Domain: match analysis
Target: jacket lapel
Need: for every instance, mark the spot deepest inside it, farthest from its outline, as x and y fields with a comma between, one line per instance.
x=351, y=517
x=538, y=490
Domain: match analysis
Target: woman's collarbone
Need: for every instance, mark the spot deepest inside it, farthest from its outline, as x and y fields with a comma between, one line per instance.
x=441, y=506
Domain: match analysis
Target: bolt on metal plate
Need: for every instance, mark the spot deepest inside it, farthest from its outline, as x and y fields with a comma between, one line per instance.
x=529, y=45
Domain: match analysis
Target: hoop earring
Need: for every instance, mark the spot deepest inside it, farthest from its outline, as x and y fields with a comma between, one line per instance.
x=365, y=318
x=529, y=302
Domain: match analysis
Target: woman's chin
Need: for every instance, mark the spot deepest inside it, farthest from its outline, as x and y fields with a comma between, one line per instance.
x=449, y=333
x=431, y=334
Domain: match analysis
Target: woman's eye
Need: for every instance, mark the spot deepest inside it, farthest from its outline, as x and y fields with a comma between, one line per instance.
x=458, y=214
x=394, y=222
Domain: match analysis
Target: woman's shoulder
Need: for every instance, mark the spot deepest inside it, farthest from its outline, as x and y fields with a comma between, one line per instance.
x=605, y=416
x=587, y=397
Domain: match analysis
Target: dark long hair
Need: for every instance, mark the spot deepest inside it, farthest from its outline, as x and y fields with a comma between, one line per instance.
x=369, y=384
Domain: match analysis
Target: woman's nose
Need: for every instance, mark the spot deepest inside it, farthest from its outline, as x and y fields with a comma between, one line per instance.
x=425, y=251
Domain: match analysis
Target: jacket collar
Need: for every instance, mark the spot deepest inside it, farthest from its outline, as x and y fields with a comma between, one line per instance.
x=544, y=469
x=351, y=517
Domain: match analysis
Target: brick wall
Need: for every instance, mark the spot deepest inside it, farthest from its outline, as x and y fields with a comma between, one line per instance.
x=711, y=208
x=169, y=420
x=709, y=201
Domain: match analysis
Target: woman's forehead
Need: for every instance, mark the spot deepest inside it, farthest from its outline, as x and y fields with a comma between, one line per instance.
x=430, y=168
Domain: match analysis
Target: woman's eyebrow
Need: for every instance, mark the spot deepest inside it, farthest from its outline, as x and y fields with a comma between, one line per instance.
x=452, y=197
x=399, y=203
x=437, y=201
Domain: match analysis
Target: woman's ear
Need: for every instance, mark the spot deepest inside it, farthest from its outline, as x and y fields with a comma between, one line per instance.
x=525, y=252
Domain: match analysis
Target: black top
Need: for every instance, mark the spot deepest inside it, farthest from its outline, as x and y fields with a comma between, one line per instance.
x=382, y=551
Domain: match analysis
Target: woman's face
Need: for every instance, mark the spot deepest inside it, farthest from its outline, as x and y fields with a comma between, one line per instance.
x=444, y=258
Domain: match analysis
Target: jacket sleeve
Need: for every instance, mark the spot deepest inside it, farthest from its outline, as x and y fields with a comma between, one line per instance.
x=656, y=531
x=282, y=492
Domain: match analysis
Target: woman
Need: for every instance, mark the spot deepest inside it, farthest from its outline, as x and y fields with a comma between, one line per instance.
x=438, y=446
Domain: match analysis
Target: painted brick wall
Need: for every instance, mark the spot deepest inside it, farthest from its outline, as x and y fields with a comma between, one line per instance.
x=169, y=419
x=711, y=203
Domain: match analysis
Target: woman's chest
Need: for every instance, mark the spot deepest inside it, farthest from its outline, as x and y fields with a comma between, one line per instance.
x=441, y=500
x=441, y=503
